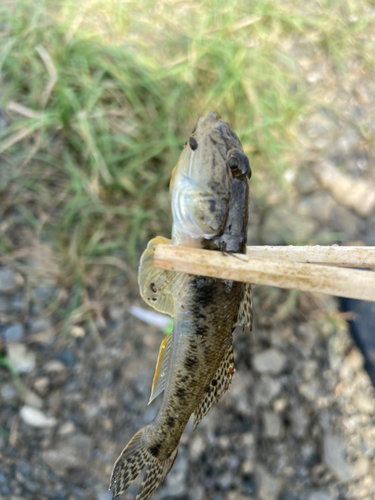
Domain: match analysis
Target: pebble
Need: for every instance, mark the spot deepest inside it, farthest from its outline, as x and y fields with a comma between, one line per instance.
x=269, y=361
x=319, y=495
x=67, y=428
x=300, y=422
x=21, y=360
x=267, y=487
x=361, y=467
x=54, y=366
x=197, y=447
x=364, y=403
x=8, y=393
x=71, y=453
x=77, y=331
x=40, y=325
x=35, y=418
x=266, y=390
x=67, y=357
x=272, y=425
x=103, y=495
x=14, y=333
x=32, y=399
x=9, y=280
x=176, y=485
x=41, y=384
x=334, y=457
x=196, y=492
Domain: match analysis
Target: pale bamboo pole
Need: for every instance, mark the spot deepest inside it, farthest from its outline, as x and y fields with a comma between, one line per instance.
x=337, y=281
x=354, y=256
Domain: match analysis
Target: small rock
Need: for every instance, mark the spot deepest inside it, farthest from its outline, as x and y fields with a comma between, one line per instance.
x=267, y=487
x=280, y=405
x=67, y=357
x=196, y=492
x=21, y=360
x=300, y=422
x=8, y=393
x=54, y=366
x=364, y=402
x=361, y=467
x=67, y=428
x=247, y=467
x=197, y=447
x=266, y=390
x=18, y=300
x=319, y=495
x=176, y=485
x=9, y=280
x=334, y=457
x=77, y=331
x=71, y=453
x=5, y=304
x=31, y=399
x=41, y=384
x=225, y=480
x=14, y=333
x=35, y=418
x=269, y=361
x=40, y=325
x=103, y=495
x=272, y=425
x=310, y=390
x=43, y=293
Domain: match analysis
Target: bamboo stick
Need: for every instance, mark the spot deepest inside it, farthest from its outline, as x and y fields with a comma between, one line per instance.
x=337, y=281
x=343, y=256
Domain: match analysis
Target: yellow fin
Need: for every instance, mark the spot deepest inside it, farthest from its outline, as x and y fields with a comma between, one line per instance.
x=161, y=368
x=245, y=312
x=219, y=385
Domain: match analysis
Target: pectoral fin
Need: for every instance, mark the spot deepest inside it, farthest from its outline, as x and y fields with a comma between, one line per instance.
x=219, y=385
x=158, y=286
x=245, y=312
x=161, y=368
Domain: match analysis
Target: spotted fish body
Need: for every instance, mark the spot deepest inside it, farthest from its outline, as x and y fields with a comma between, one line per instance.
x=210, y=191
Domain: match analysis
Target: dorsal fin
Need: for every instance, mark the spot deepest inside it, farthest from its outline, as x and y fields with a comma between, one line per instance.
x=161, y=367
x=218, y=386
x=245, y=311
x=157, y=286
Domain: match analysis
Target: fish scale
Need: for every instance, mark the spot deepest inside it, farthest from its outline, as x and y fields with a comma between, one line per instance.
x=210, y=192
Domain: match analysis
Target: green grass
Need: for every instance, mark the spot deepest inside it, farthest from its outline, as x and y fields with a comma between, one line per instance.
x=110, y=91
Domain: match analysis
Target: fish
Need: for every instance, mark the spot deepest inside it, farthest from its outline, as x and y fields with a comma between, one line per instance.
x=210, y=207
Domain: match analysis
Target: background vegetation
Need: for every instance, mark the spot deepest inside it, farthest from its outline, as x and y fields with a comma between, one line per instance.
x=98, y=98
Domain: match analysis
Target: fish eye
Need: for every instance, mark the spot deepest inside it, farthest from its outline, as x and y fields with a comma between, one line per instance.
x=239, y=164
x=233, y=163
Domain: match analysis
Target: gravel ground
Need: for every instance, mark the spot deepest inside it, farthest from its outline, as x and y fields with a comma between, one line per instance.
x=298, y=422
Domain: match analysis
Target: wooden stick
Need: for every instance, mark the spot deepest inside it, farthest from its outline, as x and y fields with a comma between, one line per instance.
x=295, y=275
x=342, y=256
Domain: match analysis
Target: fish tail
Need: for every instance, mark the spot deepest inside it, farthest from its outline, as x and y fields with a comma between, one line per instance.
x=132, y=460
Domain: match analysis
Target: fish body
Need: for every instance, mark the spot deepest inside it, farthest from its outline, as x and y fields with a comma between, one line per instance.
x=210, y=192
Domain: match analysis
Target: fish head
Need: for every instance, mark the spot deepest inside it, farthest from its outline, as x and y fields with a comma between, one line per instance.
x=202, y=181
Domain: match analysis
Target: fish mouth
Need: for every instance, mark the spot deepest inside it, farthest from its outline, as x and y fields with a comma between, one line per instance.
x=207, y=123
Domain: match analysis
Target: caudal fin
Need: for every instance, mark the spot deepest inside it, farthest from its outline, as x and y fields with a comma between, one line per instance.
x=129, y=464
